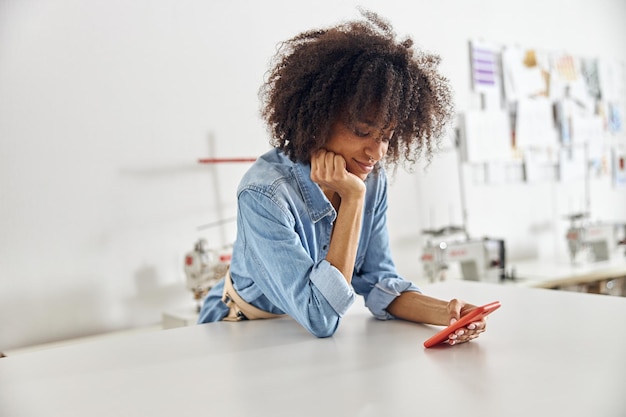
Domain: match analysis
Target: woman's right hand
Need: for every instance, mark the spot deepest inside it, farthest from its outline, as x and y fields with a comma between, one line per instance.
x=328, y=169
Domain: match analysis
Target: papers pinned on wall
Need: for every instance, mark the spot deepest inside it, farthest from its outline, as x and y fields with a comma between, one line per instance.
x=612, y=83
x=499, y=172
x=613, y=90
x=614, y=118
x=619, y=168
x=486, y=72
x=587, y=129
x=588, y=132
x=495, y=172
x=485, y=136
x=540, y=165
x=572, y=164
x=534, y=124
x=555, y=117
x=485, y=68
x=564, y=68
x=590, y=73
x=524, y=73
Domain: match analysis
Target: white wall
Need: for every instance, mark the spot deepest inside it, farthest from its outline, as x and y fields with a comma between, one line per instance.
x=105, y=106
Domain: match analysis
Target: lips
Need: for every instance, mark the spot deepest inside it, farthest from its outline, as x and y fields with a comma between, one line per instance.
x=366, y=168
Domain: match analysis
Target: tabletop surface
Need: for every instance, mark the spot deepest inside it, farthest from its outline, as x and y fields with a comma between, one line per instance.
x=545, y=352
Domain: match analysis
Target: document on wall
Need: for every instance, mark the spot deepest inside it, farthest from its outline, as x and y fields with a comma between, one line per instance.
x=619, y=167
x=496, y=172
x=587, y=129
x=539, y=165
x=484, y=60
x=485, y=136
x=591, y=75
x=572, y=164
x=486, y=73
x=612, y=82
x=564, y=75
x=524, y=73
x=535, y=124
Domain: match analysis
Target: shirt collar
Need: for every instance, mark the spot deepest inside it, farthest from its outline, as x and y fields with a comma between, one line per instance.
x=316, y=202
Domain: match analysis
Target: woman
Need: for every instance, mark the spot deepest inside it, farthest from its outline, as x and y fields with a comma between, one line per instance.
x=311, y=231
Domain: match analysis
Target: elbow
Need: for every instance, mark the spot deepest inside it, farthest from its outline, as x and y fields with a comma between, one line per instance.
x=322, y=333
x=320, y=318
x=323, y=328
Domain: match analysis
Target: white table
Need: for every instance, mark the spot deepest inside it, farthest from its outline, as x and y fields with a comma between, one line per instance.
x=546, y=353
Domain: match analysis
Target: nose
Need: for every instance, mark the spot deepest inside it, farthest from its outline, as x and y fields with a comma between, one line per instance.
x=377, y=148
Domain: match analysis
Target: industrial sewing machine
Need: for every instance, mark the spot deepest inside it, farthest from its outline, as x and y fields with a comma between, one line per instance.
x=204, y=268
x=479, y=259
x=599, y=239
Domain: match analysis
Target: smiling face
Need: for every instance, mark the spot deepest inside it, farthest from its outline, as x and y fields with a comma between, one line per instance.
x=361, y=144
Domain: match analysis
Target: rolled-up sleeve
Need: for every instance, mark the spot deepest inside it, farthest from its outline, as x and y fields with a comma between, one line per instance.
x=333, y=286
x=384, y=292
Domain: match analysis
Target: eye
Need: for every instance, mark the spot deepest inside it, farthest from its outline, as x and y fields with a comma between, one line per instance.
x=360, y=133
x=362, y=130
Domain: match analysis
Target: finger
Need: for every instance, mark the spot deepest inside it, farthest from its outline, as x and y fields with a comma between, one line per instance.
x=318, y=166
x=475, y=331
x=317, y=161
x=319, y=154
x=329, y=160
x=462, y=338
x=339, y=163
x=454, y=309
x=477, y=325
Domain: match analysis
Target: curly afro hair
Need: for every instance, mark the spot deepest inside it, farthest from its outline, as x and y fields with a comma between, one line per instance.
x=350, y=71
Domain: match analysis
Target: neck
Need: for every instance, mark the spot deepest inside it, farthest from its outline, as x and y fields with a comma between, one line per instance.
x=333, y=197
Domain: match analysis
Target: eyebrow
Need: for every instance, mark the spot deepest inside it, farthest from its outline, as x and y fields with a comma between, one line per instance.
x=372, y=124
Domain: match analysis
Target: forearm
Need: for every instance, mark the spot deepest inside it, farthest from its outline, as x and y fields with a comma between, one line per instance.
x=420, y=308
x=345, y=237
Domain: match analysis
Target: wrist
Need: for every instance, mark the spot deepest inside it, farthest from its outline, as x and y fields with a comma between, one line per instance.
x=356, y=195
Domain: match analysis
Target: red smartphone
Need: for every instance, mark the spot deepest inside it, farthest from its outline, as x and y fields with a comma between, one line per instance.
x=475, y=315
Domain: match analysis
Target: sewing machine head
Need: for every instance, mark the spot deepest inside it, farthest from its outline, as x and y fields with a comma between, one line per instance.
x=479, y=259
x=595, y=241
x=204, y=268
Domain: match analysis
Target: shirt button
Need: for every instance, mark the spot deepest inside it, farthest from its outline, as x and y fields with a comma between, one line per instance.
x=325, y=246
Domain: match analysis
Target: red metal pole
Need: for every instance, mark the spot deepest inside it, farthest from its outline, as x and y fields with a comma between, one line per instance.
x=224, y=160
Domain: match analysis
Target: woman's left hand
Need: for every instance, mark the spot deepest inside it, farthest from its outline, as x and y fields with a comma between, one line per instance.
x=457, y=309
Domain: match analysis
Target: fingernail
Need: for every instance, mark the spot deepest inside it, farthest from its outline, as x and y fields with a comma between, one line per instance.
x=452, y=320
x=471, y=326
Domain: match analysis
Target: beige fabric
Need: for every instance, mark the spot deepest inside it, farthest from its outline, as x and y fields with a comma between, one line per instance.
x=239, y=308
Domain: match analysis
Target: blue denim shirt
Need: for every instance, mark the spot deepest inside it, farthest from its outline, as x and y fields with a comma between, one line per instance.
x=284, y=224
